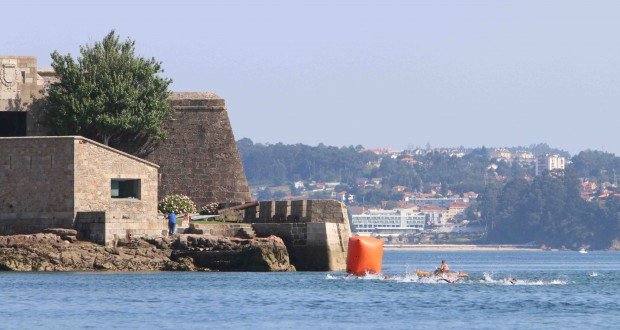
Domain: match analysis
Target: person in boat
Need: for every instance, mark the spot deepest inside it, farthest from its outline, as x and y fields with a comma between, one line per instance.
x=444, y=268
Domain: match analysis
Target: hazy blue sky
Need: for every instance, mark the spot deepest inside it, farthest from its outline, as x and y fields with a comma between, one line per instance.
x=377, y=73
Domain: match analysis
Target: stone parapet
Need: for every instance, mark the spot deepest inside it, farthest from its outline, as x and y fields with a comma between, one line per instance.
x=316, y=232
x=296, y=211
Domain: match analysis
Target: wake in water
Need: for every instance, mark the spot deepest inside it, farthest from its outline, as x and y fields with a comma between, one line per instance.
x=413, y=278
x=488, y=279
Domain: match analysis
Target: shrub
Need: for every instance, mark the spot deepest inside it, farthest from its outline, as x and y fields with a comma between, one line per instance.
x=179, y=204
x=209, y=209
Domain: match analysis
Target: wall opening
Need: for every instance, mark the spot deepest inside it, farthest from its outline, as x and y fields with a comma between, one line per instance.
x=12, y=123
x=125, y=188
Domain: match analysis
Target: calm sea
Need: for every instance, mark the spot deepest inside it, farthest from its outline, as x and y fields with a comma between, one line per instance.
x=553, y=290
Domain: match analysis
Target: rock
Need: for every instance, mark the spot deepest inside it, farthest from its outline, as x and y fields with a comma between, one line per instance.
x=234, y=254
x=245, y=233
x=194, y=230
x=60, y=231
x=70, y=239
x=49, y=252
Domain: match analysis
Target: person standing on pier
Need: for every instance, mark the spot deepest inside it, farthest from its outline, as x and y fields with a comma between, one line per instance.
x=172, y=222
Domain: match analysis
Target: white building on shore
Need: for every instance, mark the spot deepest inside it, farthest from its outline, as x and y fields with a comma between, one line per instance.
x=388, y=222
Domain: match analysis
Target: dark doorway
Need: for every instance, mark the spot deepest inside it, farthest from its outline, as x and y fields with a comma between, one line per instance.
x=12, y=123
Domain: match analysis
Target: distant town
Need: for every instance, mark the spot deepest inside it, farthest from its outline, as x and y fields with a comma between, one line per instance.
x=419, y=211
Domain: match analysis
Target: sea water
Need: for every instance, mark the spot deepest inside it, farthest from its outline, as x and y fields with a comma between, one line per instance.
x=553, y=290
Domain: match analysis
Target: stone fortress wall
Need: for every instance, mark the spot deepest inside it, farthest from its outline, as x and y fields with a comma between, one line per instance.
x=65, y=181
x=315, y=232
x=200, y=158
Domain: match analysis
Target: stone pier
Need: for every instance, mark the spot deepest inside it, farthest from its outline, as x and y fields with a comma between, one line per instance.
x=316, y=232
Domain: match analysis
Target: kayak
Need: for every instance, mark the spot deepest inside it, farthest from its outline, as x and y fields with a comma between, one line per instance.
x=427, y=273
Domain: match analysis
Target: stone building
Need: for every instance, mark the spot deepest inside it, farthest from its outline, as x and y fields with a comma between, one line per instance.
x=22, y=84
x=199, y=159
x=549, y=163
x=71, y=181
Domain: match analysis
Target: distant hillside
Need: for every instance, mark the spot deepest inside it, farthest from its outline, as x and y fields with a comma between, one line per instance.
x=277, y=164
x=456, y=169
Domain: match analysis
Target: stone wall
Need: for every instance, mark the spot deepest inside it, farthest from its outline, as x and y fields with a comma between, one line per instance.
x=316, y=232
x=22, y=85
x=297, y=211
x=217, y=229
x=64, y=182
x=96, y=165
x=104, y=228
x=200, y=157
x=36, y=184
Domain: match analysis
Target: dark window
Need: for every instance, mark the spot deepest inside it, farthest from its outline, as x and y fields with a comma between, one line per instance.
x=126, y=188
x=12, y=123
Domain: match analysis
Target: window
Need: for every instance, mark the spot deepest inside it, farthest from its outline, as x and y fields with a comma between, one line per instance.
x=126, y=188
x=13, y=123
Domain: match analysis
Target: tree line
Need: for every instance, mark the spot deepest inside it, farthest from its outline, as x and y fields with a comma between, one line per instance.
x=548, y=210
x=277, y=164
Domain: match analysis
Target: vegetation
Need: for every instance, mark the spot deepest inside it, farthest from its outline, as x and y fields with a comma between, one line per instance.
x=209, y=209
x=109, y=94
x=179, y=204
x=549, y=211
x=280, y=164
x=596, y=165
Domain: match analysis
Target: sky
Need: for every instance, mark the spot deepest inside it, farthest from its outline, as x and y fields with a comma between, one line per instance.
x=375, y=73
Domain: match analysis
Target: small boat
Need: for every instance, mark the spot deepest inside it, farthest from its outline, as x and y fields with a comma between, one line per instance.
x=427, y=273
x=584, y=251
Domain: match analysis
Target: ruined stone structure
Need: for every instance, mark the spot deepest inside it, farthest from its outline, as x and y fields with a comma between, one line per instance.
x=200, y=157
x=68, y=182
x=315, y=232
x=22, y=84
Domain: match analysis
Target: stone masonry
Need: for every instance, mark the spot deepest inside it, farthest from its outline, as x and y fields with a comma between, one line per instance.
x=22, y=85
x=316, y=232
x=65, y=182
x=200, y=157
x=36, y=184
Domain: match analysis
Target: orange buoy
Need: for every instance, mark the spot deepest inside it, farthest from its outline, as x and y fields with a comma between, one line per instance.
x=365, y=255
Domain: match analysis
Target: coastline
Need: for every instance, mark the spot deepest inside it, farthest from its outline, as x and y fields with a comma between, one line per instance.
x=459, y=247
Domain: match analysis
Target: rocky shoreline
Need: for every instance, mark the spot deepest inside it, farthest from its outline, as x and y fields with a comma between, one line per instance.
x=59, y=250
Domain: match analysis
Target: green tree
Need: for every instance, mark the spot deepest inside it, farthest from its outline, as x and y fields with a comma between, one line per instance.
x=109, y=94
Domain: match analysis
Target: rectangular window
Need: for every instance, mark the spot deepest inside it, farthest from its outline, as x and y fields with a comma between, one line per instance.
x=126, y=188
